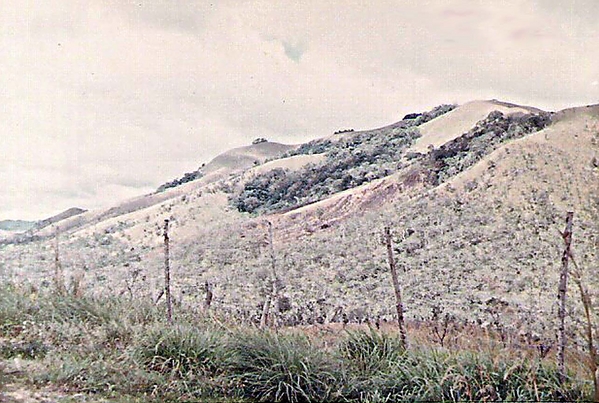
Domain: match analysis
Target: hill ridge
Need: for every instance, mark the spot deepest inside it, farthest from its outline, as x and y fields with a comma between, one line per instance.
x=474, y=220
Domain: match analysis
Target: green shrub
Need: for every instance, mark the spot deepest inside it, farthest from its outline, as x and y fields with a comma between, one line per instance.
x=443, y=376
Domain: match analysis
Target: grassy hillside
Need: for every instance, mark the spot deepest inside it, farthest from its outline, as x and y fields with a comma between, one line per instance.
x=475, y=223
x=232, y=161
x=68, y=348
x=367, y=156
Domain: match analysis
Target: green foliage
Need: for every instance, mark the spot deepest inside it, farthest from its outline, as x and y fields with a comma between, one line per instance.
x=461, y=153
x=274, y=368
x=351, y=161
x=435, y=376
x=365, y=156
x=97, y=372
x=322, y=146
x=153, y=361
x=87, y=310
x=370, y=352
x=187, y=177
x=183, y=351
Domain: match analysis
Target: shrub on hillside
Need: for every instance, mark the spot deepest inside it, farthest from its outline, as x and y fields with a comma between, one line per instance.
x=188, y=177
x=350, y=162
x=461, y=153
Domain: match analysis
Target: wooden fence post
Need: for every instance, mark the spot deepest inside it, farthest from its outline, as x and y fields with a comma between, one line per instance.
x=59, y=282
x=167, y=275
x=561, y=295
x=397, y=289
x=275, y=278
x=209, y=296
x=273, y=297
x=589, y=314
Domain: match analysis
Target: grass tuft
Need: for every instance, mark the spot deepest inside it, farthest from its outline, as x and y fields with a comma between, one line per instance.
x=371, y=351
x=271, y=367
x=183, y=351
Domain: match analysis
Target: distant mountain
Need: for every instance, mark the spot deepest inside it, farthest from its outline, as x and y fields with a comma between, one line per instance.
x=16, y=225
x=74, y=211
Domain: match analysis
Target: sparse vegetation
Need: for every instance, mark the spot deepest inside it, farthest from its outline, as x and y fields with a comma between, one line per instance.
x=115, y=348
x=341, y=131
x=477, y=258
x=188, y=177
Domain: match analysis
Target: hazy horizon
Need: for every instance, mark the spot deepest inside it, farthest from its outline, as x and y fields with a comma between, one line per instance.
x=105, y=100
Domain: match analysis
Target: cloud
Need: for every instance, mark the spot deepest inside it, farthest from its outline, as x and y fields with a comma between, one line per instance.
x=102, y=100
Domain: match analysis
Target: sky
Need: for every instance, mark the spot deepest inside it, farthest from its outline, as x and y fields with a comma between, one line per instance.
x=103, y=100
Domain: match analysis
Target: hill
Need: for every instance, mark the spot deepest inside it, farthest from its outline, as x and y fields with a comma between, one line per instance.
x=235, y=160
x=16, y=225
x=455, y=123
x=72, y=212
x=475, y=195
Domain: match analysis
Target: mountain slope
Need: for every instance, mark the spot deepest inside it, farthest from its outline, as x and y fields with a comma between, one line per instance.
x=460, y=120
x=245, y=157
x=475, y=223
x=72, y=212
x=230, y=162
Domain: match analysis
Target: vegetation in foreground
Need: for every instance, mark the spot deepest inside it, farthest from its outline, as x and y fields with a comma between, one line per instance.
x=114, y=349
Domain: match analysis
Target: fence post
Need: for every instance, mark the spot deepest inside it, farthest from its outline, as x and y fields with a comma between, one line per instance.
x=167, y=275
x=273, y=297
x=209, y=296
x=561, y=295
x=397, y=289
x=59, y=282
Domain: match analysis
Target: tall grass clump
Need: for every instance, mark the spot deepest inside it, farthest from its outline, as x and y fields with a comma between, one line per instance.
x=442, y=376
x=183, y=351
x=15, y=308
x=367, y=352
x=68, y=308
x=113, y=347
x=271, y=367
x=98, y=373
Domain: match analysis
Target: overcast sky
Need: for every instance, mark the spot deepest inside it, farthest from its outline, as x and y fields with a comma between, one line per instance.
x=104, y=100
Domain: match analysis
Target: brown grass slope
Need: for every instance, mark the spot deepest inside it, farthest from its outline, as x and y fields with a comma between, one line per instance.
x=488, y=235
x=453, y=124
x=483, y=246
x=243, y=158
